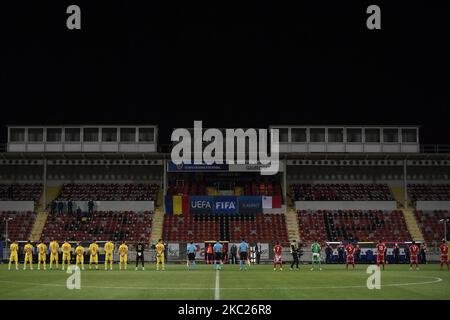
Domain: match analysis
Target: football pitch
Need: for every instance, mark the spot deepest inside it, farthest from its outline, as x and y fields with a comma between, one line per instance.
x=259, y=282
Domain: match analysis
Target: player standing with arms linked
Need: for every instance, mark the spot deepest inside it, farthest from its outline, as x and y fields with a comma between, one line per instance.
x=350, y=249
x=42, y=255
x=123, y=259
x=191, y=249
x=160, y=255
x=315, y=251
x=93, y=252
x=54, y=247
x=243, y=249
x=65, y=248
x=109, y=250
x=414, y=255
x=28, y=255
x=277, y=259
x=443, y=248
x=381, y=249
x=13, y=256
x=79, y=251
x=217, y=248
x=140, y=254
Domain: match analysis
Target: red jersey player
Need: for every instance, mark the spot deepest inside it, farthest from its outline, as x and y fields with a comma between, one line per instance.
x=350, y=249
x=381, y=248
x=443, y=248
x=277, y=258
x=413, y=255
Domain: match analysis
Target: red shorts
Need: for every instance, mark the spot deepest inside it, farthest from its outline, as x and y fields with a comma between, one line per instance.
x=413, y=259
x=380, y=258
x=350, y=259
x=444, y=258
x=277, y=259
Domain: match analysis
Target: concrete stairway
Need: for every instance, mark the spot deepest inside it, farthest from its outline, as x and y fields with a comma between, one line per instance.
x=291, y=219
x=399, y=196
x=412, y=224
x=38, y=226
x=157, y=225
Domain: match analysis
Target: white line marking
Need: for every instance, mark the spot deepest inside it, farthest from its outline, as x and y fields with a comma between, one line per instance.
x=217, y=287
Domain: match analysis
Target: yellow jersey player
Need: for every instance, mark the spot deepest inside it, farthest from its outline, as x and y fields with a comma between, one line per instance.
x=13, y=256
x=42, y=255
x=109, y=249
x=93, y=252
x=65, y=248
x=79, y=250
x=159, y=255
x=123, y=250
x=54, y=247
x=28, y=249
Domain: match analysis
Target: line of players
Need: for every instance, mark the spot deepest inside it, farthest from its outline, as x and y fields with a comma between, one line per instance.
x=66, y=249
x=381, y=248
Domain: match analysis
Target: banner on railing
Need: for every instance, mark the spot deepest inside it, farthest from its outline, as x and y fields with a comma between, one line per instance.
x=201, y=204
x=225, y=205
x=250, y=204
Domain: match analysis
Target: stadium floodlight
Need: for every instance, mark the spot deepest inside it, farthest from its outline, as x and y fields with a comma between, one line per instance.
x=444, y=221
x=6, y=229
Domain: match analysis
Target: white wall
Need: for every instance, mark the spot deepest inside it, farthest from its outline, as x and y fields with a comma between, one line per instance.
x=116, y=205
x=16, y=205
x=432, y=205
x=346, y=205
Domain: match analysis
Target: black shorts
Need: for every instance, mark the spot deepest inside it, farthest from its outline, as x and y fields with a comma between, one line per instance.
x=218, y=256
x=243, y=255
x=191, y=256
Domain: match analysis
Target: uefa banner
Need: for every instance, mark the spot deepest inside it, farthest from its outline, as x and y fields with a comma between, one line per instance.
x=250, y=204
x=201, y=204
x=225, y=205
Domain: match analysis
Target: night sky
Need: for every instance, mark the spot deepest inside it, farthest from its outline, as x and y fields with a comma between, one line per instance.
x=228, y=63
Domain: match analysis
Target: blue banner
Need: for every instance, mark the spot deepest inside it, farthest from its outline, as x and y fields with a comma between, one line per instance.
x=225, y=205
x=169, y=204
x=201, y=204
x=172, y=167
x=250, y=204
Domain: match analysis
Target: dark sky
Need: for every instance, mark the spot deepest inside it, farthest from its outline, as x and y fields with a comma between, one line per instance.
x=228, y=63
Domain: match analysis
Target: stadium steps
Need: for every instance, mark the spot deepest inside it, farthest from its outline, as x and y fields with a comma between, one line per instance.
x=399, y=196
x=52, y=194
x=412, y=225
x=292, y=224
x=38, y=226
x=157, y=225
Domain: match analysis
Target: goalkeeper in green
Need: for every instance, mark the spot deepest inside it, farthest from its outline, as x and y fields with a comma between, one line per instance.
x=315, y=250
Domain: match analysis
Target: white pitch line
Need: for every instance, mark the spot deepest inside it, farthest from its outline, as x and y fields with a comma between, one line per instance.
x=217, y=286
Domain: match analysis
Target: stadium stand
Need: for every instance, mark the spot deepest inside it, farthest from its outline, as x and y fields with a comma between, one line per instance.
x=427, y=192
x=200, y=188
x=340, y=225
x=428, y=221
x=20, y=192
x=109, y=192
x=341, y=192
x=19, y=228
x=102, y=226
x=198, y=228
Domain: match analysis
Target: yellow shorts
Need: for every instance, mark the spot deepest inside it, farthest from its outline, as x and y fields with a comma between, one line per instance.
x=13, y=257
x=66, y=257
x=108, y=257
x=28, y=258
x=123, y=259
x=42, y=257
x=93, y=259
x=80, y=259
x=54, y=256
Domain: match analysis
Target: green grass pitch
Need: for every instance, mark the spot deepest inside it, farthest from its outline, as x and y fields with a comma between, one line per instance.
x=260, y=282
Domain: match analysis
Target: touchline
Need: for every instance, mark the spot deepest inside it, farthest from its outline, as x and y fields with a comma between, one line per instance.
x=208, y=147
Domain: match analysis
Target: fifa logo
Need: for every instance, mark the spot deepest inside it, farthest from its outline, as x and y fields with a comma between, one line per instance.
x=374, y=280
x=249, y=147
x=74, y=280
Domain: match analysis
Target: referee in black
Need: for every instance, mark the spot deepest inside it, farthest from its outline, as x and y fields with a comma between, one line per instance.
x=140, y=247
x=294, y=252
